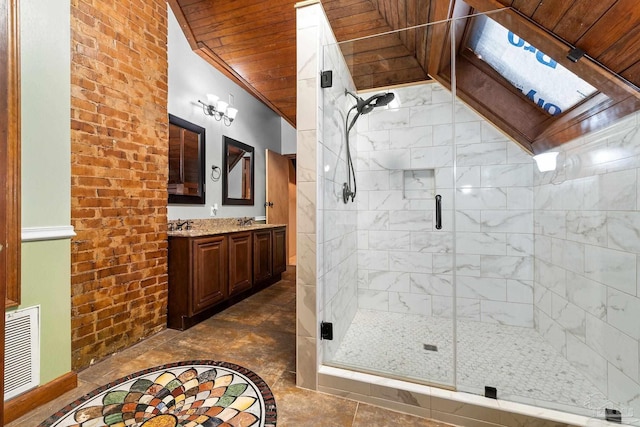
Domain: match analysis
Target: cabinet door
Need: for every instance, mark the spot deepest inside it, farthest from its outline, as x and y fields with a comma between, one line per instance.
x=262, y=256
x=240, y=265
x=279, y=250
x=209, y=272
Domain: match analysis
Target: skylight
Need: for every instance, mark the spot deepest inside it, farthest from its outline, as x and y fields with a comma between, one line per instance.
x=539, y=77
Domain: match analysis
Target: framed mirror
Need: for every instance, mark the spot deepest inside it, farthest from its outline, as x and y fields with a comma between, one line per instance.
x=238, y=176
x=186, y=162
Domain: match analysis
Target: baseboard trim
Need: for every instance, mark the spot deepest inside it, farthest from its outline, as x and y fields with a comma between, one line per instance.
x=30, y=400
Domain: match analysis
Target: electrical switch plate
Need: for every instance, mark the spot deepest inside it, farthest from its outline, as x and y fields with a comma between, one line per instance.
x=213, y=211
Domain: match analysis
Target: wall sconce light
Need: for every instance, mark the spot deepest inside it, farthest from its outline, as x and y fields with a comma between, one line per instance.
x=218, y=109
x=546, y=161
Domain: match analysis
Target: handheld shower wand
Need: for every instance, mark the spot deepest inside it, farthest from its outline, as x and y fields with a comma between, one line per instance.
x=362, y=107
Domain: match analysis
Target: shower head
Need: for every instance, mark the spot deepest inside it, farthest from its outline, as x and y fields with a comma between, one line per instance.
x=377, y=100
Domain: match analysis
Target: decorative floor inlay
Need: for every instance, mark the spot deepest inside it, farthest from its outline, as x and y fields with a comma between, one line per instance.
x=199, y=393
x=516, y=360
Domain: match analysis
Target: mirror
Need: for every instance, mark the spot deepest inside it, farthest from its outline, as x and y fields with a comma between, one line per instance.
x=237, y=179
x=186, y=162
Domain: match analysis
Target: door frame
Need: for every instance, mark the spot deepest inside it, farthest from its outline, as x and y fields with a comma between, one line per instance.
x=10, y=231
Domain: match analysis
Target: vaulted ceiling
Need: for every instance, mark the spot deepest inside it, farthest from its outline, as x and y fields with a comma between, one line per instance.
x=253, y=42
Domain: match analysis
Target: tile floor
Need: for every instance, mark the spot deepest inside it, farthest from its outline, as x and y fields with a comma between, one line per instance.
x=517, y=361
x=257, y=333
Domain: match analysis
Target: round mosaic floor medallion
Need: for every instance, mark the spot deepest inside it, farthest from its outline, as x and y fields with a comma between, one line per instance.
x=200, y=393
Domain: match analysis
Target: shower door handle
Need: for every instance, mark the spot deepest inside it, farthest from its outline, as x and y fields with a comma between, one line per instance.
x=438, y=212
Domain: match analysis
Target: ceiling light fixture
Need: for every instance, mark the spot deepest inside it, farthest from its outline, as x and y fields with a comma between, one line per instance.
x=218, y=109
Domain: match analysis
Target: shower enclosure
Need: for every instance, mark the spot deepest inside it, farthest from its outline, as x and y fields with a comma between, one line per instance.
x=458, y=264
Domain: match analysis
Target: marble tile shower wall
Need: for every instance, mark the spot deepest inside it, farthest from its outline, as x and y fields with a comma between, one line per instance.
x=405, y=157
x=587, y=246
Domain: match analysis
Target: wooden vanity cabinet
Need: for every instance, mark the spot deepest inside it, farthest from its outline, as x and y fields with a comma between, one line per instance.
x=240, y=265
x=210, y=273
x=279, y=236
x=262, y=256
x=197, y=277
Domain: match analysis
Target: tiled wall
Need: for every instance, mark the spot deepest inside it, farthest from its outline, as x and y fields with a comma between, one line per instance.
x=405, y=157
x=587, y=229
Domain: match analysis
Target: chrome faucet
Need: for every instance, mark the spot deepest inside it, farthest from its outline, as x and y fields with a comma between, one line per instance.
x=179, y=225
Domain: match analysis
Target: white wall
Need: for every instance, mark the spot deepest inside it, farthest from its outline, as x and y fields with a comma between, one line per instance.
x=289, y=138
x=587, y=259
x=190, y=79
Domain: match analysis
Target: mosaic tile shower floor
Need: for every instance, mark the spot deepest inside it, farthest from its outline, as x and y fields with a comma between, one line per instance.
x=515, y=360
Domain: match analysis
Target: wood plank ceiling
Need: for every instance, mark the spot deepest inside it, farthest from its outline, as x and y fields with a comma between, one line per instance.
x=254, y=41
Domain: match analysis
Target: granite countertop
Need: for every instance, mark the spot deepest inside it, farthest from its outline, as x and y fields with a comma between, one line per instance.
x=218, y=226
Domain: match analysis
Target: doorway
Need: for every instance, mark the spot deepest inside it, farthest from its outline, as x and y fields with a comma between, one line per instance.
x=281, y=196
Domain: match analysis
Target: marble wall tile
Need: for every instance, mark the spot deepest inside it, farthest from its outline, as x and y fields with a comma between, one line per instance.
x=431, y=242
x=387, y=201
x=485, y=243
x=618, y=348
x=373, y=300
x=589, y=295
x=465, y=265
x=552, y=331
x=409, y=262
x=390, y=159
x=372, y=141
x=408, y=303
x=624, y=391
x=466, y=309
x=468, y=220
x=587, y=227
x=623, y=312
x=542, y=298
x=482, y=288
x=569, y=316
x=516, y=175
x=623, y=230
x=413, y=137
x=431, y=284
x=506, y=313
x=373, y=260
x=589, y=362
x=373, y=220
x=389, y=281
x=416, y=221
x=520, y=291
x=490, y=153
x=507, y=221
x=390, y=119
x=520, y=244
x=613, y=268
x=481, y=198
x=508, y=267
x=519, y=198
x=372, y=180
x=431, y=157
x=390, y=240
x=433, y=114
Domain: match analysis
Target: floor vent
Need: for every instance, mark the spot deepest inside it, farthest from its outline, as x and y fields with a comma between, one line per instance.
x=22, y=351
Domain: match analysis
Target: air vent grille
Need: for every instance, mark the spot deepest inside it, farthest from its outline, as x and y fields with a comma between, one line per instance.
x=22, y=353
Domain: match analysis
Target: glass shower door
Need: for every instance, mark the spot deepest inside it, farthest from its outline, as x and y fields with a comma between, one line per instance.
x=387, y=272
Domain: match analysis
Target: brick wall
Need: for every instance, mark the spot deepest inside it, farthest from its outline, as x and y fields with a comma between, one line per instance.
x=119, y=167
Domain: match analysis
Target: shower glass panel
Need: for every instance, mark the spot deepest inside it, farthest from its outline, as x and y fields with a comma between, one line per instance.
x=387, y=268
x=547, y=296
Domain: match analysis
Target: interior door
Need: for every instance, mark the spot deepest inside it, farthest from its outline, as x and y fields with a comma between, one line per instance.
x=277, y=192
